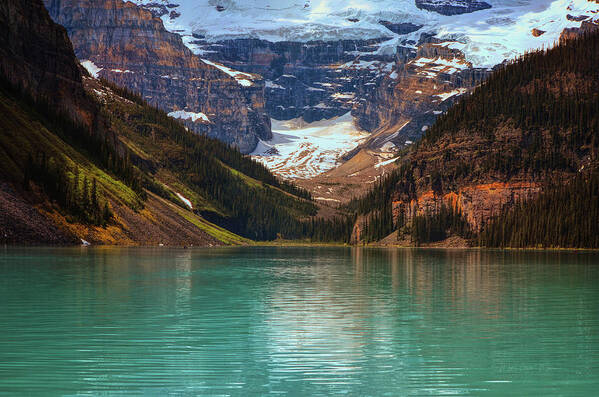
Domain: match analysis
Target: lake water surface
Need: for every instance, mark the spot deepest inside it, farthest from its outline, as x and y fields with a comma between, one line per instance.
x=298, y=321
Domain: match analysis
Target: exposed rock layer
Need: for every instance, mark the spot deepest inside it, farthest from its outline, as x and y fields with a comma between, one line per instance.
x=133, y=49
x=424, y=83
x=313, y=80
x=452, y=7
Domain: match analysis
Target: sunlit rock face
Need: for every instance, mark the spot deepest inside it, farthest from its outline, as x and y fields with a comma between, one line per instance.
x=124, y=43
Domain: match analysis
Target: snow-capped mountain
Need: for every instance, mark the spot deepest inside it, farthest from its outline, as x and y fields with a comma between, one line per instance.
x=493, y=31
x=394, y=64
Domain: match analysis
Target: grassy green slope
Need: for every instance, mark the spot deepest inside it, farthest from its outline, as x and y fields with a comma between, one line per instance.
x=160, y=156
x=26, y=132
x=223, y=185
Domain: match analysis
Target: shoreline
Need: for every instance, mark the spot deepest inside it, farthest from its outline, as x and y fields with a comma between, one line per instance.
x=299, y=244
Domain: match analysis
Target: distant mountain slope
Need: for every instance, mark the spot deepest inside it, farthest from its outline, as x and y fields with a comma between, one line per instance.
x=395, y=64
x=531, y=123
x=126, y=173
x=490, y=31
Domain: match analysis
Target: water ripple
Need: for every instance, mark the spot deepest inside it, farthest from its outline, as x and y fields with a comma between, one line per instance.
x=301, y=321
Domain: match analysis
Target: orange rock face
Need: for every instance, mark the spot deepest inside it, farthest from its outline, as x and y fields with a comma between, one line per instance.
x=478, y=203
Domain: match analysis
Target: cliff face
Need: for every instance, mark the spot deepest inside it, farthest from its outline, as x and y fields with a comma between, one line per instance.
x=396, y=97
x=586, y=27
x=477, y=202
x=452, y=7
x=127, y=45
x=423, y=84
x=313, y=80
x=36, y=55
x=322, y=62
x=460, y=171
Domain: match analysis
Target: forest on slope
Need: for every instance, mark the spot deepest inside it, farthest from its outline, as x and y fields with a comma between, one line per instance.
x=533, y=123
x=96, y=162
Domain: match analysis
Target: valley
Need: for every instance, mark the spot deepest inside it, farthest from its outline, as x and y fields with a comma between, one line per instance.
x=299, y=197
x=227, y=122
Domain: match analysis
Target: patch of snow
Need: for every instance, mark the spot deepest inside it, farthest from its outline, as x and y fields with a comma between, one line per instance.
x=270, y=84
x=446, y=95
x=327, y=199
x=385, y=162
x=91, y=68
x=420, y=62
x=99, y=93
x=183, y=115
x=303, y=150
x=388, y=147
x=244, y=79
x=344, y=95
x=185, y=200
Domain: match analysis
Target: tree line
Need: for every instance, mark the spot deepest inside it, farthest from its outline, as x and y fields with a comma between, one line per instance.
x=66, y=186
x=552, y=97
x=566, y=215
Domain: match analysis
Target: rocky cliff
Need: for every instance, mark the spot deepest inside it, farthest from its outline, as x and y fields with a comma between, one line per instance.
x=423, y=84
x=396, y=97
x=324, y=61
x=452, y=7
x=124, y=43
x=313, y=80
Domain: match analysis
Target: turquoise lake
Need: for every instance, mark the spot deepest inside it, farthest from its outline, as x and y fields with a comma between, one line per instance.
x=298, y=321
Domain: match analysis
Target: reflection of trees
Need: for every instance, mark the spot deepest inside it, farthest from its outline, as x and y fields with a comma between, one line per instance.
x=460, y=278
x=312, y=320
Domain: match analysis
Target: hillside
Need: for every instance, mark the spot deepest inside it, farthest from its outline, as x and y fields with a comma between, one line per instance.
x=84, y=159
x=532, y=125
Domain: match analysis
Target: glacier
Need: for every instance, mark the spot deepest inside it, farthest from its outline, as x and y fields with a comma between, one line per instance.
x=487, y=37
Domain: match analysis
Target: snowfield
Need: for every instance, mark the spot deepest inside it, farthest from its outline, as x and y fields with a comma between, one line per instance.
x=185, y=200
x=300, y=150
x=91, y=67
x=487, y=37
x=244, y=79
x=183, y=115
x=303, y=150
